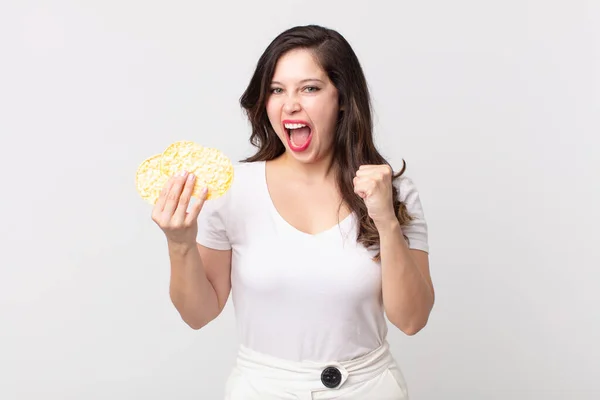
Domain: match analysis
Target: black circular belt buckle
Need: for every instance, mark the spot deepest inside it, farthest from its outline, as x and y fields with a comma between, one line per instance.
x=331, y=377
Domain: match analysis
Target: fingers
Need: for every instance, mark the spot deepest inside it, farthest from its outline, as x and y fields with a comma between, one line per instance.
x=180, y=212
x=368, y=177
x=375, y=171
x=363, y=186
x=171, y=208
x=174, y=194
x=162, y=198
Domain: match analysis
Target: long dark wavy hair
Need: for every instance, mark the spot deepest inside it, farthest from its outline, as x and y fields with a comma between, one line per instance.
x=353, y=143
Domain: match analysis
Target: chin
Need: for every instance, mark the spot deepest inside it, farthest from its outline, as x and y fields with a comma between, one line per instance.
x=308, y=156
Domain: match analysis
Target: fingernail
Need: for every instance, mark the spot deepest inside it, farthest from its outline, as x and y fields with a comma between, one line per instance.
x=182, y=173
x=191, y=177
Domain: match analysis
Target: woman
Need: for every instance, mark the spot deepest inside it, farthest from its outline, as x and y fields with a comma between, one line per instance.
x=316, y=239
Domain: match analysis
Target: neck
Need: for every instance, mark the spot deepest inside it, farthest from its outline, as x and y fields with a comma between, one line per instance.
x=319, y=171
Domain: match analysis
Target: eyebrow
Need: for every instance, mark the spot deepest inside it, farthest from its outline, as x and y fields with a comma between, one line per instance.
x=302, y=81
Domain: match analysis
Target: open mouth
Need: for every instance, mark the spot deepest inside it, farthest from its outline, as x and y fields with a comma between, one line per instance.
x=299, y=134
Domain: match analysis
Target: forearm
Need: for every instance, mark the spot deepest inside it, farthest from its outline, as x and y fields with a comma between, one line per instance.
x=407, y=296
x=191, y=292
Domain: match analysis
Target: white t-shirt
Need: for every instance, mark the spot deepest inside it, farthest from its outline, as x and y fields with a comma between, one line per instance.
x=299, y=296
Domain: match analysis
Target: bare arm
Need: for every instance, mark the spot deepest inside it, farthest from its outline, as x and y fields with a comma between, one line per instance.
x=200, y=277
x=200, y=282
x=408, y=293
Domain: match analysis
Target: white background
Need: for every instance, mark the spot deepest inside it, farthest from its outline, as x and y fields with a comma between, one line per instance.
x=495, y=106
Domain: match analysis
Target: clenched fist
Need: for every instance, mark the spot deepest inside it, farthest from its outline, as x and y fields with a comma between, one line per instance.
x=373, y=183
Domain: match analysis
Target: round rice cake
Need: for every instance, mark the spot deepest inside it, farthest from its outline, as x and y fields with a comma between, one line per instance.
x=149, y=179
x=211, y=167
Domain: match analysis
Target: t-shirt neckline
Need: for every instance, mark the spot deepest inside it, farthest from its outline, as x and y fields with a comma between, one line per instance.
x=282, y=222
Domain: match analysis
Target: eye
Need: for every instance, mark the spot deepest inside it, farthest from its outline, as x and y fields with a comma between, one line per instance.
x=276, y=90
x=311, y=89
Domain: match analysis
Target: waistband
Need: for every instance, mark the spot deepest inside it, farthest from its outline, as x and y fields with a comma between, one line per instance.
x=314, y=375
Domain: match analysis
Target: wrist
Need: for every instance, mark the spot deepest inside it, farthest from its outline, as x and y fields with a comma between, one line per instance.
x=181, y=248
x=388, y=226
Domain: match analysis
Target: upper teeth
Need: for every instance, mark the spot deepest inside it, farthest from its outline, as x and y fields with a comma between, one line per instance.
x=294, y=126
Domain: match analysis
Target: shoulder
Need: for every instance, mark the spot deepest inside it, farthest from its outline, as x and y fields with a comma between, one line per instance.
x=220, y=219
x=246, y=176
x=244, y=171
x=244, y=181
x=417, y=228
x=408, y=191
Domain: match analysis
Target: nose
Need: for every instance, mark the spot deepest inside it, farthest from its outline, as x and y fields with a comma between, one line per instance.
x=291, y=105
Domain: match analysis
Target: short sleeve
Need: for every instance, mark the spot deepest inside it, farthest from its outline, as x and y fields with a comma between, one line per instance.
x=212, y=224
x=416, y=231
